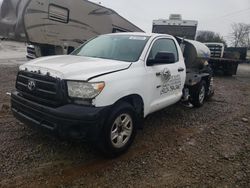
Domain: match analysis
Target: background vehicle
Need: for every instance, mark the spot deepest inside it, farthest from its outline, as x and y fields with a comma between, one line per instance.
x=176, y=26
x=58, y=27
x=104, y=89
x=223, y=59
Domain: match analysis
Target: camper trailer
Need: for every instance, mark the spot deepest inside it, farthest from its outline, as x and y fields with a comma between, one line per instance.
x=176, y=26
x=56, y=26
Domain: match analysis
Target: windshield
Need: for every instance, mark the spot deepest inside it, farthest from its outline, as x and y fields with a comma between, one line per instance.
x=117, y=47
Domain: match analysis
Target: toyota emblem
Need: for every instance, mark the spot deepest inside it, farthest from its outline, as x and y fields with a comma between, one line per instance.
x=31, y=85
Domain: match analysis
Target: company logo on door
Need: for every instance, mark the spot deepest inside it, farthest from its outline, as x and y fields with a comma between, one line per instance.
x=173, y=84
x=165, y=75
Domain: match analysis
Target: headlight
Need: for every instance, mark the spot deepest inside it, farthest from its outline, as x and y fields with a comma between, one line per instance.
x=84, y=90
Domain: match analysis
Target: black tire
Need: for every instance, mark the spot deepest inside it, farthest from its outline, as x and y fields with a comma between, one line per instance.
x=199, y=93
x=109, y=146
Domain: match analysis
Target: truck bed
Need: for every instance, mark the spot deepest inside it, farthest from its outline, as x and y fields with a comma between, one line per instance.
x=227, y=66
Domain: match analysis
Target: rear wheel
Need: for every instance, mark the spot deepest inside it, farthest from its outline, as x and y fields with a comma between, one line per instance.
x=198, y=94
x=119, y=130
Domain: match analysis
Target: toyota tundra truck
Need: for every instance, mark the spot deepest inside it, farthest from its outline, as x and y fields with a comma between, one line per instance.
x=103, y=90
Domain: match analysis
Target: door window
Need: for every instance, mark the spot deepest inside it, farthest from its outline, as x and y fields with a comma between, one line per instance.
x=163, y=45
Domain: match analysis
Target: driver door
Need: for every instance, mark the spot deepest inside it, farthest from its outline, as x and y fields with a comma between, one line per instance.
x=166, y=79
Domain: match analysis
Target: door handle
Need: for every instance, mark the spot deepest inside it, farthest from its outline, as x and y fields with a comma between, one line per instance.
x=158, y=74
x=180, y=69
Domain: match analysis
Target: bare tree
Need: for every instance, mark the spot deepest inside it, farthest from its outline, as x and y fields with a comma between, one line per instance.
x=209, y=36
x=240, y=36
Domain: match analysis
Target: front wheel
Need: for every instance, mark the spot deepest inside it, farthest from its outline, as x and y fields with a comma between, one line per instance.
x=119, y=130
x=198, y=94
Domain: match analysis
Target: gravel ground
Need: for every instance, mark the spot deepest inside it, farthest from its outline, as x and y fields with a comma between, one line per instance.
x=178, y=147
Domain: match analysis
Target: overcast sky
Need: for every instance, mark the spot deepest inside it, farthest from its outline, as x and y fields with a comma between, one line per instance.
x=214, y=15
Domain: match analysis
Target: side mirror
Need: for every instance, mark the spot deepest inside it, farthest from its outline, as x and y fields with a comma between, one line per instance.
x=162, y=58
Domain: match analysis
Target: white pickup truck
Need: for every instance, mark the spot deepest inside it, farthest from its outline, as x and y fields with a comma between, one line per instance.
x=104, y=89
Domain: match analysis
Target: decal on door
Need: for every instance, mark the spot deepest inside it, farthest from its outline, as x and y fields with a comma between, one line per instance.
x=170, y=83
x=165, y=75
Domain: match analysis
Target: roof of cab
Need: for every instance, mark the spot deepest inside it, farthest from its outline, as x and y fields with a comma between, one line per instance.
x=141, y=34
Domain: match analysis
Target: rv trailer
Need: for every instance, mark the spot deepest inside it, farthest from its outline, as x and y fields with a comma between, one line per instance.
x=57, y=26
x=176, y=26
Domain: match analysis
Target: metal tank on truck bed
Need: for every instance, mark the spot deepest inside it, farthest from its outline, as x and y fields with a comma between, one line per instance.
x=56, y=26
x=196, y=56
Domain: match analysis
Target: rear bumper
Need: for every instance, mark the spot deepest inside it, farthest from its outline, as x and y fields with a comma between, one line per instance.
x=68, y=121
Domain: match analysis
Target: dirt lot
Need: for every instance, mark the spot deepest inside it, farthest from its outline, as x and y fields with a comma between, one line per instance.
x=178, y=147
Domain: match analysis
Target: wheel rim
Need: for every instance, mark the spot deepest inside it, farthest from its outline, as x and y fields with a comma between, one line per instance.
x=121, y=130
x=202, y=94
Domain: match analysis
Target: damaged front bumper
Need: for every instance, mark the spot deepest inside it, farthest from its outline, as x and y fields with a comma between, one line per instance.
x=70, y=120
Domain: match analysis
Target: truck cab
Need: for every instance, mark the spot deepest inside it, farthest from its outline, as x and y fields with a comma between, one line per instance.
x=104, y=89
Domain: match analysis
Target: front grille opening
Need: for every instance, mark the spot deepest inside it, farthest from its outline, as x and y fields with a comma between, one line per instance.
x=47, y=90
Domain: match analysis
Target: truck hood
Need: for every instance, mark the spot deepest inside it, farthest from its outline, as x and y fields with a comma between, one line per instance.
x=74, y=67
